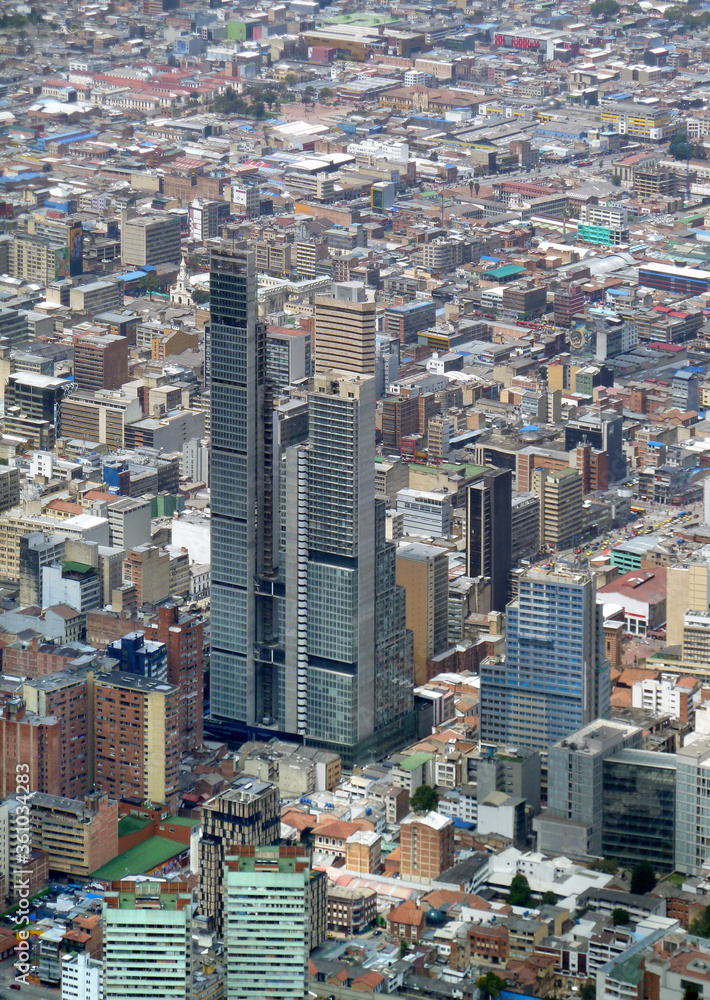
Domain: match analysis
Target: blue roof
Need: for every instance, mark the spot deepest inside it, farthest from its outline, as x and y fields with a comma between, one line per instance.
x=530, y=427
x=412, y=305
x=132, y=276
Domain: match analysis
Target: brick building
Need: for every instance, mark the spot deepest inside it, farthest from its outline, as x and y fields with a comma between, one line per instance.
x=426, y=846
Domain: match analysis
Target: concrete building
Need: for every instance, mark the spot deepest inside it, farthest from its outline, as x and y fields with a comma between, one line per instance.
x=426, y=846
x=78, y=836
x=100, y=362
x=183, y=636
x=423, y=572
x=137, y=747
x=525, y=526
x=96, y=296
x=692, y=806
x=150, y=240
x=158, y=914
x=345, y=331
x=67, y=696
x=246, y=814
x=561, y=511
x=140, y=656
x=425, y=512
x=288, y=356
x=266, y=921
x=81, y=977
x=37, y=550
x=33, y=741
x=147, y=568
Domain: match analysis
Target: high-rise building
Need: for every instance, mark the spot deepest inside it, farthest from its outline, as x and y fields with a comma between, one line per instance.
x=308, y=625
x=137, y=748
x=345, y=331
x=147, y=939
x=692, y=806
x=561, y=511
x=288, y=356
x=554, y=677
x=67, y=696
x=489, y=532
x=183, y=637
x=150, y=239
x=78, y=836
x=32, y=740
x=137, y=655
x=100, y=362
x=423, y=572
x=246, y=814
x=266, y=922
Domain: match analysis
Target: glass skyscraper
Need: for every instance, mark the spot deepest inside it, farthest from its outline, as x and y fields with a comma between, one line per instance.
x=308, y=625
x=554, y=677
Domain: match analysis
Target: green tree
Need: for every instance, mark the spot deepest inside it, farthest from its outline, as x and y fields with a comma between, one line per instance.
x=491, y=985
x=691, y=992
x=424, y=800
x=619, y=916
x=643, y=878
x=520, y=894
x=309, y=95
x=616, y=180
x=291, y=79
x=434, y=157
x=324, y=93
x=605, y=9
x=549, y=898
x=476, y=187
x=470, y=187
x=200, y=296
x=150, y=282
x=701, y=925
x=606, y=865
x=588, y=991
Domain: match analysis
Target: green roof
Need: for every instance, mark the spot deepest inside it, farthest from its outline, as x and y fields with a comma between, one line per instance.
x=140, y=859
x=503, y=272
x=182, y=821
x=131, y=824
x=76, y=567
x=416, y=760
x=629, y=971
x=469, y=470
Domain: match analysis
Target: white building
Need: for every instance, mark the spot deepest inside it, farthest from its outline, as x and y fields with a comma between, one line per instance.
x=425, y=513
x=192, y=532
x=81, y=977
x=665, y=697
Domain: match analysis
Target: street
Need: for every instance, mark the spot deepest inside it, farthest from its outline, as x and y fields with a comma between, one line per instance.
x=30, y=992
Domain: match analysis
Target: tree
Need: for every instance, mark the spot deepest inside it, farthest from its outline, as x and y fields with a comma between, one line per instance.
x=520, y=894
x=324, y=93
x=701, y=925
x=549, y=898
x=491, y=985
x=291, y=79
x=434, y=157
x=643, y=878
x=424, y=800
x=476, y=187
x=605, y=9
x=470, y=187
x=309, y=95
x=200, y=295
x=620, y=916
x=606, y=865
x=691, y=992
x=616, y=180
x=588, y=991
x=150, y=282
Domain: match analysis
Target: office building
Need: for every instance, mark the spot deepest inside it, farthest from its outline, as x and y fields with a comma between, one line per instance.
x=345, y=331
x=567, y=303
x=525, y=526
x=137, y=655
x=561, y=512
x=406, y=321
x=14, y=328
x=137, y=748
x=34, y=740
x=266, y=922
x=425, y=512
x=150, y=240
x=147, y=939
x=78, y=836
x=246, y=814
x=692, y=806
x=37, y=550
x=351, y=670
x=554, y=677
x=423, y=572
x=91, y=418
x=35, y=258
x=298, y=652
x=639, y=808
x=147, y=568
x=489, y=532
x=65, y=234
x=603, y=430
x=426, y=846
x=100, y=362
x=9, y=488
x=573, y=821
x=288, y=356
x=32, y=407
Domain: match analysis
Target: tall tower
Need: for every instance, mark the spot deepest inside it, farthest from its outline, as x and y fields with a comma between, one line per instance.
x=554, y=678
x=489, y=512
x=345, y=330
x=240, y=473
x=340, y=584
